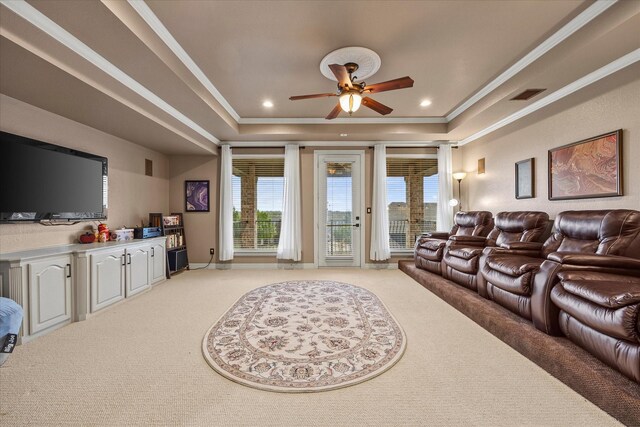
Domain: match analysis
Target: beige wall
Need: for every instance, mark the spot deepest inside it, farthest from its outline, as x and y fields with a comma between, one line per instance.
x=201, y=228
x=132, y=195
x=605, y=107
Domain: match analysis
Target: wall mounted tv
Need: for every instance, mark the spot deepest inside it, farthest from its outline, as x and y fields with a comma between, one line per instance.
x=46, y=182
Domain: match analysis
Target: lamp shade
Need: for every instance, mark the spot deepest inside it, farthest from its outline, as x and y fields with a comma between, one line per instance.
x=350, y=101
x=459, y=175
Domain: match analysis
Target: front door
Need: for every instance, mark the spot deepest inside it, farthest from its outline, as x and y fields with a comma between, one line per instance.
x=339, y=220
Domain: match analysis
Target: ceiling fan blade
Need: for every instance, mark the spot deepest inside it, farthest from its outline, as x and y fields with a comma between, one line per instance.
x=315, y=95
x=401, y=83
x=341, y=73
x=375, y=106
x=334, y=113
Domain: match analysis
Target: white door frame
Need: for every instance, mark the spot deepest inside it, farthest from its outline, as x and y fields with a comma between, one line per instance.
x=316, y=193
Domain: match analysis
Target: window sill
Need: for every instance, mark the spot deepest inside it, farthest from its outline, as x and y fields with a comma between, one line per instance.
x=402, y=252
x=255, y=253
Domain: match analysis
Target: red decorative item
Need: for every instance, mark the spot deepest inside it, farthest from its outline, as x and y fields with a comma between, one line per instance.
x=103, y=233
x=87, y=238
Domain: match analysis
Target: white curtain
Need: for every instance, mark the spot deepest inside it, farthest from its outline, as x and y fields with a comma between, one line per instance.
x=290, y=243
x=380, y=249
x=226, y=205
x=444, y=218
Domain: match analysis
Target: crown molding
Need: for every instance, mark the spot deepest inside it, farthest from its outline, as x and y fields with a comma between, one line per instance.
x=563, y=33
x=337, y=143
x=338, y=121
x=617, y=65
x=55, y=31
x=158, y=27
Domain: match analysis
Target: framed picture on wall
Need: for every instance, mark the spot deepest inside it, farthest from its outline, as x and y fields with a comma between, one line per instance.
x=196, y=196
x=587, y=169
x=525, y=179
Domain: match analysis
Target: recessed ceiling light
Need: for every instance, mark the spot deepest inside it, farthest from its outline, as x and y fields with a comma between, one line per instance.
x=425, y=103
x=267, y=104
x=344, y=134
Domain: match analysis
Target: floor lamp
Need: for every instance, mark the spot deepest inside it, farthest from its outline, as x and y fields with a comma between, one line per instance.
x=459, y=176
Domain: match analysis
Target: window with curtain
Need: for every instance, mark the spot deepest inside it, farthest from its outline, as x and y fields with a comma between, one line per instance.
x=412, y=197
x=258, y=187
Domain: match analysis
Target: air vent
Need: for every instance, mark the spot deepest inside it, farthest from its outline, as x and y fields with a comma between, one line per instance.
x=527, y=94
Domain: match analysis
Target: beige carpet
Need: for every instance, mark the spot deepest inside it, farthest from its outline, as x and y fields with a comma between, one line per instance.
x=140, y=363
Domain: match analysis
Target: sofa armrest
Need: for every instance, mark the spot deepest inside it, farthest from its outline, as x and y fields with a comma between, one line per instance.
x=435, y=235
x=595, y=260
x=534, y=253
x=529, y=246
x=476, y=241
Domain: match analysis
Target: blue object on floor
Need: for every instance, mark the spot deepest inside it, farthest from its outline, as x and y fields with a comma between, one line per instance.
x=10, y=321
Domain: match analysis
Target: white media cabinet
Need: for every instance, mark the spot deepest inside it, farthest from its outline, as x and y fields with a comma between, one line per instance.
x=62, y=284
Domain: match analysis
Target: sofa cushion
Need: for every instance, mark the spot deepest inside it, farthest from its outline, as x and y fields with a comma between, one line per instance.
x=513, y=265
x=520, y=285
x=465, y=253
x=616, y=322
x=464, y=265
x=433, y=245
x=605, y=293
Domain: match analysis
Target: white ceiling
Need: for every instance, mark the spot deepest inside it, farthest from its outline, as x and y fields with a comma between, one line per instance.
x=181, y=76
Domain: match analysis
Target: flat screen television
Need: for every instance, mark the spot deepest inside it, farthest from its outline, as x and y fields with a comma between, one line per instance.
x=41, y=181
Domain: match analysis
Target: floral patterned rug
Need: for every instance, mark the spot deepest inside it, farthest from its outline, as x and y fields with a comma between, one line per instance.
x=304, y=336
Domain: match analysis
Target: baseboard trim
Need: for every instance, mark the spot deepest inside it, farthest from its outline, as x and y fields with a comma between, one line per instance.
x=381, y=266
x=253, y=266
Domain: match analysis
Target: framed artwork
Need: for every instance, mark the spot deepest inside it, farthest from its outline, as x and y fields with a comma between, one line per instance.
x=196, y=196
x=525, y=179
x=586, y=169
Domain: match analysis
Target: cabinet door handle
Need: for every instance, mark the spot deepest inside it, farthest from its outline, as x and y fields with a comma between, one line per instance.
x=124, y=261
x=69, y=267
x=129, y=256
x=152, y=252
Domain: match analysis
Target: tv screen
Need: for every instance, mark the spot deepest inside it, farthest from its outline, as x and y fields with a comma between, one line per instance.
x=41, y=181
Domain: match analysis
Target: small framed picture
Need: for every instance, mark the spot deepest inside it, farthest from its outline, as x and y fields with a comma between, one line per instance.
x=196, y=196
x=525, y=179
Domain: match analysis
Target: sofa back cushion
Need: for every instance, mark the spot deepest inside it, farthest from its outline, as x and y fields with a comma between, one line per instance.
x=472, y=223
x=605, y=232
x=519, y=227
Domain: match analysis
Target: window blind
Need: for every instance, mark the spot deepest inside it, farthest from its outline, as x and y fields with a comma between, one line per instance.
x=412, y=197
x=258, y=188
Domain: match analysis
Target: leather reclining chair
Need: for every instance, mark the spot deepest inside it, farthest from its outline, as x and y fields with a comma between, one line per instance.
x=430, y=246
x=520, y=275
x=599, y=312
x=460, y=262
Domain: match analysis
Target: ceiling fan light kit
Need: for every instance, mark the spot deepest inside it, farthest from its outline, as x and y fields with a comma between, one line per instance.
x=350, y=101
x=350, y=91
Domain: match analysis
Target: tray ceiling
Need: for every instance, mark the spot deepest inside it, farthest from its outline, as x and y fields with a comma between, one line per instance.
x=196, y=73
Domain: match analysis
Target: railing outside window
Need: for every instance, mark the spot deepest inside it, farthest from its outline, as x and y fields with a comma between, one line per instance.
x=263, y=234
x=400, y=236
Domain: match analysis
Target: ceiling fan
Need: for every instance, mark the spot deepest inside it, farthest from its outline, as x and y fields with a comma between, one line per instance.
x=351, y=92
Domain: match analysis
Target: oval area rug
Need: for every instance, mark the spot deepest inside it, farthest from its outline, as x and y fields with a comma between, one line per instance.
x=304, y=336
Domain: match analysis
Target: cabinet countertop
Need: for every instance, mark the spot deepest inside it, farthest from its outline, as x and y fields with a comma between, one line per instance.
x=71, y=248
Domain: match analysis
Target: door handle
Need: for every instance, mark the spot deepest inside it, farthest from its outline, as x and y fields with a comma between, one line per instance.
x=356, y=225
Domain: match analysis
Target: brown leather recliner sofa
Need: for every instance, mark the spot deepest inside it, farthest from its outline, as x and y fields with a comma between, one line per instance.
x=600, y=313
x=460, y=262
x=520, y=276
x=429, y=247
